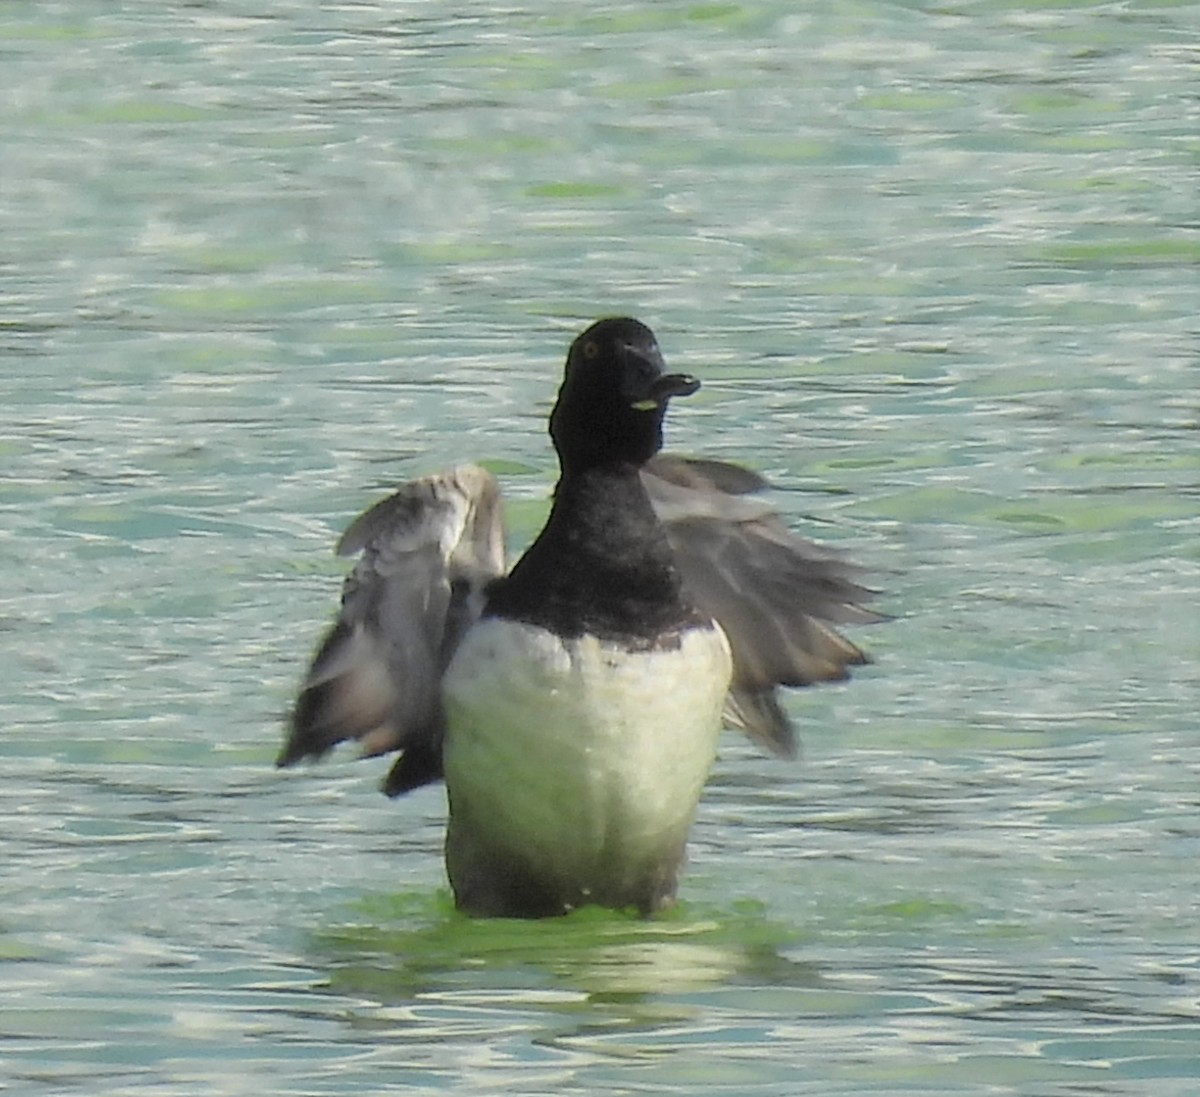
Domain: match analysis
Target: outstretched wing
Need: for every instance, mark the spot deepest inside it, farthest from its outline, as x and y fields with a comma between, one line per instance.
x=427, y=554
x=776, y=595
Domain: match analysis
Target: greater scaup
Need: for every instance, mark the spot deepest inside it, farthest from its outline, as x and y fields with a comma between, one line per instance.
x=573, y=705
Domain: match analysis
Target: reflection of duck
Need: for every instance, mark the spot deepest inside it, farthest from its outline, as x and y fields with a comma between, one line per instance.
x=573, y=705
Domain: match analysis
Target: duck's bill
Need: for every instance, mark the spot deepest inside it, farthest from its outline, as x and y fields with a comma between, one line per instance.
x=663, y=388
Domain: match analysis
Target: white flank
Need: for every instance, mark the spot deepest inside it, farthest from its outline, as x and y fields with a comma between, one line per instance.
x=584, y=757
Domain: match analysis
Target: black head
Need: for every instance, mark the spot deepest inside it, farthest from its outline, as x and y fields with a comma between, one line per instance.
x=613, y=397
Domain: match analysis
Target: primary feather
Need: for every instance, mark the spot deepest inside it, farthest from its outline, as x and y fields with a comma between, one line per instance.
x=427, y=554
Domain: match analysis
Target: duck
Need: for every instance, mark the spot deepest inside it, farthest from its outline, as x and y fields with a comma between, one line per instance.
x=572, y=704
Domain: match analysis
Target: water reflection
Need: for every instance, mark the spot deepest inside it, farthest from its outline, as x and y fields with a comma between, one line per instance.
x=600, y=955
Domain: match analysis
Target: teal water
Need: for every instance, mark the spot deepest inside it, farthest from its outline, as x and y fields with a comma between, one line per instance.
x=937, y=266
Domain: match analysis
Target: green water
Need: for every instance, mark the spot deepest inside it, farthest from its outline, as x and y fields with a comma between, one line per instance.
x=937, y=266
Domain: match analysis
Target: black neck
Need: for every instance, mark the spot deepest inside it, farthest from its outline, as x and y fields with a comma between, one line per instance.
x=601, y=565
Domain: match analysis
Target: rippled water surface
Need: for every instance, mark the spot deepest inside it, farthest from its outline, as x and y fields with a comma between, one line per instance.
x=937, y=267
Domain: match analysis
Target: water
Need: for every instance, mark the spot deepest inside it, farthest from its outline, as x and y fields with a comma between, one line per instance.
x=937, y=267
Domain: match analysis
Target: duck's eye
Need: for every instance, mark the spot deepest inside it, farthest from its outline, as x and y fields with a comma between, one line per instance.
x=590, y=349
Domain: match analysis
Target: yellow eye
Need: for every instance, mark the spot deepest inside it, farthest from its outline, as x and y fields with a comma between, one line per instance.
x=590, y=349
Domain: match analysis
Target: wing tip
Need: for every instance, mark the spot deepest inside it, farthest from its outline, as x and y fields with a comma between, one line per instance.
x=758, y=713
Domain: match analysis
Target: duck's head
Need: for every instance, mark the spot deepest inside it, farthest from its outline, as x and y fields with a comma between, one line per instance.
x=614, y=395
